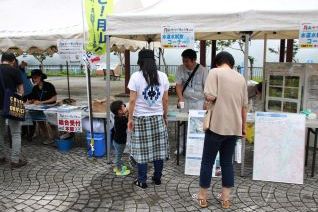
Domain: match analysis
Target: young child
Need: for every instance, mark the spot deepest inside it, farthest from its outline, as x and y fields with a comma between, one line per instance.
x=120, y=111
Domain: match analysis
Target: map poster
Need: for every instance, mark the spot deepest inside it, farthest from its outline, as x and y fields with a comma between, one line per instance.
x=279, y=150
x=195, y=142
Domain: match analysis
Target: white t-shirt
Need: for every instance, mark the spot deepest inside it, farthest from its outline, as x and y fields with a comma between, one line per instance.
x=149, y=98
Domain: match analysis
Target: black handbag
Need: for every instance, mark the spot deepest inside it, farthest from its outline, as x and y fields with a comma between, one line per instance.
x=13, y=105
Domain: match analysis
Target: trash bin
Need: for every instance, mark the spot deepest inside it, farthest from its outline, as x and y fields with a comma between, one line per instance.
x=64, y=145
x=99, y=144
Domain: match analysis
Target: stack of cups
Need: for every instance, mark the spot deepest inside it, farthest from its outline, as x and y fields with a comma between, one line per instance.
x=181, y=106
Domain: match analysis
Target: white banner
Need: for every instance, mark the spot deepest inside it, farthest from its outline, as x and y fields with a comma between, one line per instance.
x=69, y=121
x=70, y=49
x=308, y=35
x=178, y=36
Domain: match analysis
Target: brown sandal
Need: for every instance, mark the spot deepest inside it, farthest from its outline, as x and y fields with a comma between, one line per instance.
x=203, y=203
x=226, y=204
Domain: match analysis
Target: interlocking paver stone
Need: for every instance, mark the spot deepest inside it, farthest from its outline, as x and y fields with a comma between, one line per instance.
x=70, y=182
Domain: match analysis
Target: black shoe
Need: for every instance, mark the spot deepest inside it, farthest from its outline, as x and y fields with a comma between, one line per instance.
x=141, y=185
x=3, y=161
x=19, y=164
x=156, y=181
x=132, y=162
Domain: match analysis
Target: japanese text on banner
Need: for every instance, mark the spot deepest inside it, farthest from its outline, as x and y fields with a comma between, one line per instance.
x=96, y=11
x=308, y=36
x=70, y=49
x=70, y=122
x=181, y=36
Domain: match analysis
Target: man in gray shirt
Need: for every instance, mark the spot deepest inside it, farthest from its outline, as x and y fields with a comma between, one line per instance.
x=190, y=90
x=191, y=93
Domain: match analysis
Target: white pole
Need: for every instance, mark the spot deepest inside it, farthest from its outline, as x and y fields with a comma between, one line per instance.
x=246, y=51
x=246, y=76
x=108, y=94
x=85, y=65
x=264, y=67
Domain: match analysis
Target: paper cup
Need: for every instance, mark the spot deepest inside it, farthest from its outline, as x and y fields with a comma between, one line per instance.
x=181, y=104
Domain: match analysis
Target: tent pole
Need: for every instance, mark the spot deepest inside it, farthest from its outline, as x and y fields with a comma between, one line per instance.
x=203, y=52
x=282, y=50
x=127, y=70
x=88, y=86
x=246, y=51
x=246, y=36
x=91, y=115
x=159, y=59
x=108, y=95
x=213, y=52
x=264, y=67
x=289, y=52
x=68, y=80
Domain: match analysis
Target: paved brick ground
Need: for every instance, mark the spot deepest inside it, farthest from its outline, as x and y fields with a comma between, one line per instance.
x=54, y=181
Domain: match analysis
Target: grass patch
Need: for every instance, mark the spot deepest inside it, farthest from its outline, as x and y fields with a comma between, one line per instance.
x=171, y=78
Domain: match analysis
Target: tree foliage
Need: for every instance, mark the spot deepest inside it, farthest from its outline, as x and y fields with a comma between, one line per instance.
x=295, y=50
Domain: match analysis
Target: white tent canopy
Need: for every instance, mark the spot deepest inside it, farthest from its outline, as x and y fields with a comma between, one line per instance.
x=40, y=23
x=217, y=19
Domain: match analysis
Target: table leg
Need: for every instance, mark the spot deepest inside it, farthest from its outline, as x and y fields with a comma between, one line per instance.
x=314, y=156
x=108, y=146
x=307, y=146
x=178, y=142
x=184, y=138
x=243, y=158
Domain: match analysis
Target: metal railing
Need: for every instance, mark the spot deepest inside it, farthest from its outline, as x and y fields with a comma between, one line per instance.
x=256, y=73
x=78, y=70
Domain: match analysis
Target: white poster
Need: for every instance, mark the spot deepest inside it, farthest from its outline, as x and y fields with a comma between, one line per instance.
x=279, y=147
x=195, y=142
x=178, y=36
x=308, y=35
x=69, y=121
x=70, y=49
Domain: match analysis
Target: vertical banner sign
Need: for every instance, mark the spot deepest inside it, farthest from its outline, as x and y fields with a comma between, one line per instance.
x=177, y=36
x=308, y=36
x=69, y=121
x=96, y=11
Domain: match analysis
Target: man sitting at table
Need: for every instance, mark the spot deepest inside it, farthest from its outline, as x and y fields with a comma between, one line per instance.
x=43, y=93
